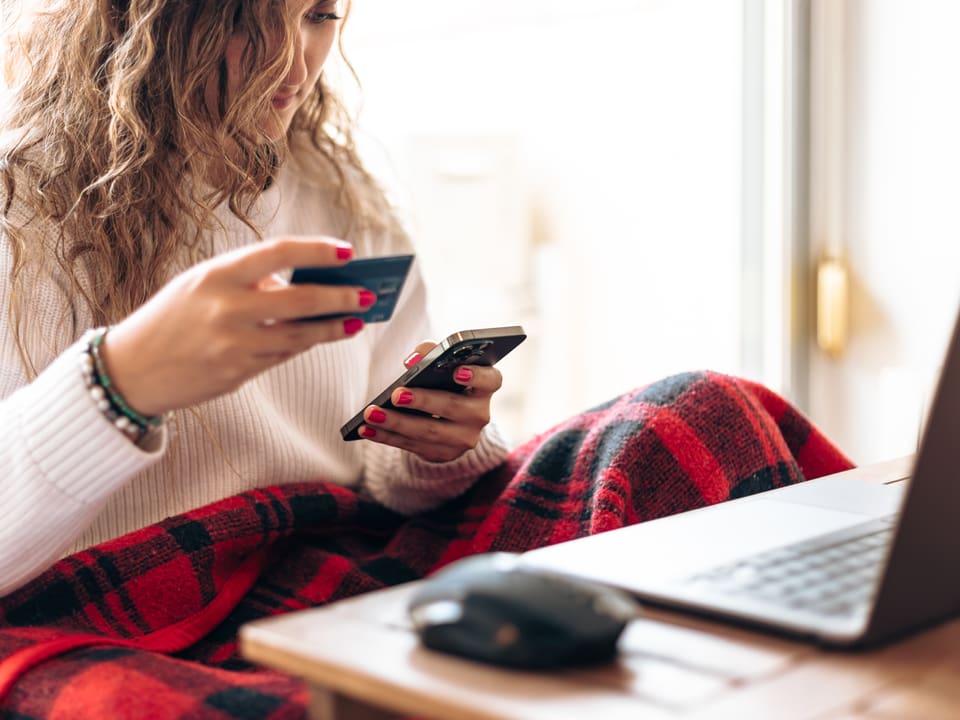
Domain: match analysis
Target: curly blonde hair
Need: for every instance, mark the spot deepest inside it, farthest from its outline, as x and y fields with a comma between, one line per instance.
x=106, y=116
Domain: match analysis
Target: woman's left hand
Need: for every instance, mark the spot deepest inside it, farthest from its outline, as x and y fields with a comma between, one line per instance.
x=454, y=421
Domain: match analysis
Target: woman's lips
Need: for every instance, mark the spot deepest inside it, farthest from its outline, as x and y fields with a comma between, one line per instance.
x=282, y=102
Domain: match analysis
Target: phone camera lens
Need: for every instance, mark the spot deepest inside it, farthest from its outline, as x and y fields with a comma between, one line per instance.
x=465, y=354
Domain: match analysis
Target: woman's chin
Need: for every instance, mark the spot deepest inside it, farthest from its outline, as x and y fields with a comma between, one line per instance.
x=276, y=128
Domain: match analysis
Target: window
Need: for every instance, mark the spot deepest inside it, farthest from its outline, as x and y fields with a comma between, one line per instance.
x=608, y=174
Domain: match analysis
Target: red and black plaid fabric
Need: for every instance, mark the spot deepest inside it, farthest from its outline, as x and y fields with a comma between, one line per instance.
x=145, y=626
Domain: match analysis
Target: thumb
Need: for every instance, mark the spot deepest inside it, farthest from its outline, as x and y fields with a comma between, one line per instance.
x=422, y=349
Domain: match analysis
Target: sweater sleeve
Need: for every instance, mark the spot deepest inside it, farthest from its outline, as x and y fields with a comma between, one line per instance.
x=397, y=478
x=60, y=459
x=409, y=485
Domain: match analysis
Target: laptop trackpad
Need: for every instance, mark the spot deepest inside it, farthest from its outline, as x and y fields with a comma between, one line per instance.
x=648, y=554
x=844, y=493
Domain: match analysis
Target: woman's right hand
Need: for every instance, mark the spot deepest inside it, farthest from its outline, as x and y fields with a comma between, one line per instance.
x=225, y=320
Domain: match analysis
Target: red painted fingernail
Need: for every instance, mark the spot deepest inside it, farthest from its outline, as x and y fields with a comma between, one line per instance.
x=463, y=375
x=367, y=298
x=412, y=359
x=344, y=252
x=405, y=398
x=351, y=326
x=367, y=432
x=377, y=416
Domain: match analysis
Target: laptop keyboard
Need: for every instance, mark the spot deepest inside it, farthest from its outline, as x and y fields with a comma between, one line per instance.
x=832, y=575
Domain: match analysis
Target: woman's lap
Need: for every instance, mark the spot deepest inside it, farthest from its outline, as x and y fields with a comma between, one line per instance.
x=684, y=442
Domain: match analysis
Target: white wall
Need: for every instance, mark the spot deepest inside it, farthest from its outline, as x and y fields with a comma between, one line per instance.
x=903, y=224
x=574, y=166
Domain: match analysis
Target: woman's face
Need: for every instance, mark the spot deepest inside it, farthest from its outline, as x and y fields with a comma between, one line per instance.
x=316, y=29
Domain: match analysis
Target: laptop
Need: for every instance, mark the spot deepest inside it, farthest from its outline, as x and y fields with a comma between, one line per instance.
x=840, y=560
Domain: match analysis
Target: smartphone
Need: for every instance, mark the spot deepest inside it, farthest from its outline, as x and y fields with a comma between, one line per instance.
x=435, y=369
x=385, y=276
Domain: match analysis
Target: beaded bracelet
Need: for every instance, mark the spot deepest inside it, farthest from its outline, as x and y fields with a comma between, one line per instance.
x=110, y=402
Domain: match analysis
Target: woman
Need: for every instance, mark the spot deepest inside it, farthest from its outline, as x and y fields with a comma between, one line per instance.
x=162, y=163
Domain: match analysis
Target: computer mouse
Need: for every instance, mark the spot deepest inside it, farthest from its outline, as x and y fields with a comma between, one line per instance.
x=491, y=608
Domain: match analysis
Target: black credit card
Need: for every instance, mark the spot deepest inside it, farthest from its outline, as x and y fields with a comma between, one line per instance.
x=384, y=276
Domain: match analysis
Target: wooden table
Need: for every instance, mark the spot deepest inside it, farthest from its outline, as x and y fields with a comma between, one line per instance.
x=363, y=662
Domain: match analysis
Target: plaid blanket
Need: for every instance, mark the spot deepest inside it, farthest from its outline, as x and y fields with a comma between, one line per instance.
x=144, y=626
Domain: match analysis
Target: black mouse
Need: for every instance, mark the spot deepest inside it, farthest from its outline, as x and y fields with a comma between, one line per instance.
x=491, y=608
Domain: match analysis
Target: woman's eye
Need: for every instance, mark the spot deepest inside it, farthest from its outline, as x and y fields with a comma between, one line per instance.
x=318, y=18
x=321, y=13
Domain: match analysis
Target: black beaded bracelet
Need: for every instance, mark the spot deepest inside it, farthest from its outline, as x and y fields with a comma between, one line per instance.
x=105, y=393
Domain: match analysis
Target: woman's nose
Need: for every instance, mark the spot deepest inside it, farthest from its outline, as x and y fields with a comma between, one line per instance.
x=298, y=69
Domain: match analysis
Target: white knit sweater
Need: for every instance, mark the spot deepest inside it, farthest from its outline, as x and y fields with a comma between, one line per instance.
x=69, y=479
